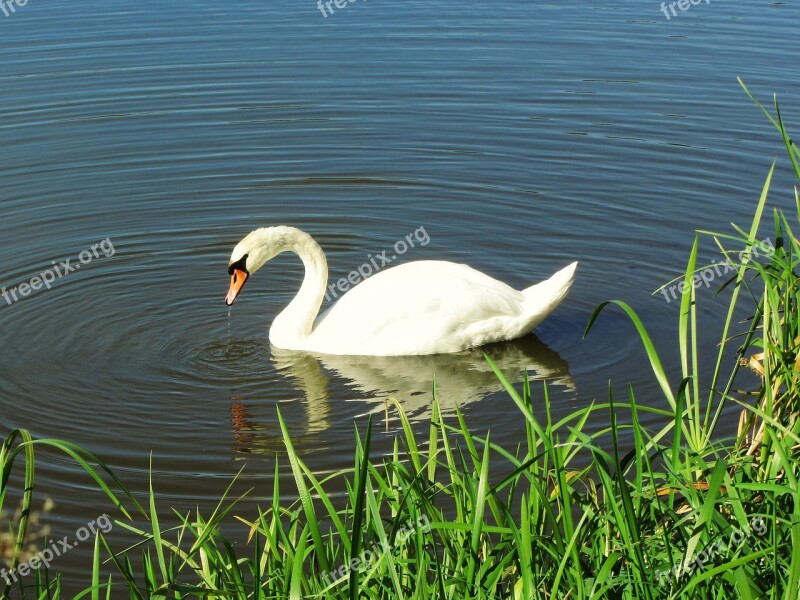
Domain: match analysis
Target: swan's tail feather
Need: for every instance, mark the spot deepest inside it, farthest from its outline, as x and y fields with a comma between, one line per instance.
x=542, y=298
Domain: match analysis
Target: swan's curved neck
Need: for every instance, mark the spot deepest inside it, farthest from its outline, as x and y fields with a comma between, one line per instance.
x=295, y=323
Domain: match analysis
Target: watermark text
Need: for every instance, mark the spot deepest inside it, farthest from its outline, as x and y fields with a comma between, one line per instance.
x=329, y=4
x=377, y=262
x=57, y=548
x=58, y=269
x=369, y=556
x=714, y=270
x=8, y=7
x=668, y=8
x=757, y=527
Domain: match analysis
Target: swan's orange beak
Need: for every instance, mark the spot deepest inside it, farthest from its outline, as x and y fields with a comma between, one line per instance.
x=238, y=278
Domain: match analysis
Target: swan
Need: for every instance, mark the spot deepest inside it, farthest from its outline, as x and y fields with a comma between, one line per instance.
x=416, y=308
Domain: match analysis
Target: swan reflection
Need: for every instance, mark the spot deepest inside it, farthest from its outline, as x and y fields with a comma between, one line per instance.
x=461, y=379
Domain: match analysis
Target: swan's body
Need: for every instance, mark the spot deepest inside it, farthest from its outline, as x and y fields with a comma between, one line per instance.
x=422, y=307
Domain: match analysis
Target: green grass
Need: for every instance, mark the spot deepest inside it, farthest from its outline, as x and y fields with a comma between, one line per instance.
x=572, y=512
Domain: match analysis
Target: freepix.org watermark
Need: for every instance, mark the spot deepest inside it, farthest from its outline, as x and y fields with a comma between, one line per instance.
x=9, y=7
x=57, y=548
x=668, y=8
x=418, y=236
x=329, y=4
x=716, y=269
x=58, y=270
x=757, y=527
x=368, y=557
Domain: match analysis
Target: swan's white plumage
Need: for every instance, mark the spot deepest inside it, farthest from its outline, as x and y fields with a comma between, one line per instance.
x=428, y=307
x=421, y=307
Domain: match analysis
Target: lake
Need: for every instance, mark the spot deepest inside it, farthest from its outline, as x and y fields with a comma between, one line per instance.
x=521, y=136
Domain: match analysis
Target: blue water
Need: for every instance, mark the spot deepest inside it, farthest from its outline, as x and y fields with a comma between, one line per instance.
x=521, y=136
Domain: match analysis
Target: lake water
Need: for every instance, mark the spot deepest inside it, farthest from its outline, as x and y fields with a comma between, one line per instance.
x=521, y=136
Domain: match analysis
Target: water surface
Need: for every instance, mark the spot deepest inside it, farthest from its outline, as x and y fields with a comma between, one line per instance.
x=521, y=136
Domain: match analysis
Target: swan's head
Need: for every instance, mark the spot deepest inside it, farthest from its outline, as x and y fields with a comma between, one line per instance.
x=249, y=256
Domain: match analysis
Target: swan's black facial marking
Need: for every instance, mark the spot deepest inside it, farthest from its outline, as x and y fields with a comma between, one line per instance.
x=240, y=264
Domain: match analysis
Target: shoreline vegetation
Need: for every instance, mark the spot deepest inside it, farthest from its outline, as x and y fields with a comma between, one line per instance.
x=675, y=512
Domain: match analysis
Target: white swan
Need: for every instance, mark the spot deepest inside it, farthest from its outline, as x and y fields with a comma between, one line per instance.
x=422, y=307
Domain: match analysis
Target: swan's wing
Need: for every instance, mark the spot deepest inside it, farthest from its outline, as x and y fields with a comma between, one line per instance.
x=428, y=288
x=417, y=300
